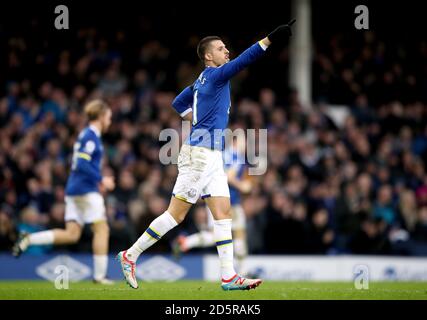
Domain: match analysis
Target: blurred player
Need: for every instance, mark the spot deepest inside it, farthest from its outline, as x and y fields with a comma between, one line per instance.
x=235, y=168
x=200, y=166
x=83, y=200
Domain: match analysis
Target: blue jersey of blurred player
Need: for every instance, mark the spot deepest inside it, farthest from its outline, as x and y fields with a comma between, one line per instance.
x=206, y=103
x=84, y=203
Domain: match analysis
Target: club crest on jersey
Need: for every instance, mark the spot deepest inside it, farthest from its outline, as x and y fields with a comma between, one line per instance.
x=191, y=193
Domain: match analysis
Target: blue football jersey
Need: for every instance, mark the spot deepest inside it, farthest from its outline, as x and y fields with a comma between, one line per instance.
x=85, y=173
x=209, y=100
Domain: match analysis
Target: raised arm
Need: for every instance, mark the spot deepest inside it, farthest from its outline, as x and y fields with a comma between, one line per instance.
x=230, y=69
x=250, y=55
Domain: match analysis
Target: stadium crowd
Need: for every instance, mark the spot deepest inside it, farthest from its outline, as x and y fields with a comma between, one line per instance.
x=359, y=187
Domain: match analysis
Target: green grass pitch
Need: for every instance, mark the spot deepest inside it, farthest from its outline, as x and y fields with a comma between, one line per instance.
x=191, y=290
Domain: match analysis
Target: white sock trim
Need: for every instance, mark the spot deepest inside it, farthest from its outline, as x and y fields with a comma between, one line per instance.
x=171, y=219
x=100, y=264
x=42, y=238
x=223, y=222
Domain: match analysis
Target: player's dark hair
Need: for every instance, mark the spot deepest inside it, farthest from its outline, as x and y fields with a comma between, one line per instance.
x=204, y=44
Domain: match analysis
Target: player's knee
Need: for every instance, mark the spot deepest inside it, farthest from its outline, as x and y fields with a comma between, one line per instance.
x=73, y=232
x=221, y=215
x=101, y=228
x=106, y=229
x=73, y=237
x=178, y=209
x=179, y=218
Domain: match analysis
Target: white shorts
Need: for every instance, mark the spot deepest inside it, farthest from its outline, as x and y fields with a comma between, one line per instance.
x=200, y=173
x=237, y=215
x=87, y=208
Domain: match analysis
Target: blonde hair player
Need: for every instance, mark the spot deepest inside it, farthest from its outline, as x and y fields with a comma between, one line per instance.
x=84, y=203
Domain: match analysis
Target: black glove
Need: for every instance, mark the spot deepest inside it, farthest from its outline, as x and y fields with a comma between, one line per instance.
x=281, y=32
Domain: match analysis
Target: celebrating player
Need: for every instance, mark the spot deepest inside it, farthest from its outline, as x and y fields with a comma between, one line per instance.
x=83, y=201
x=200, y=166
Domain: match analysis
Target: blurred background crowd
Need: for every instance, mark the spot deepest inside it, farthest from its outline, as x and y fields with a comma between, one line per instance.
x=358, y=187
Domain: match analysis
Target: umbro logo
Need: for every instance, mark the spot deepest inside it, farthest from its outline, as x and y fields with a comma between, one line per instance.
x=77, y=270
x=159, y=268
